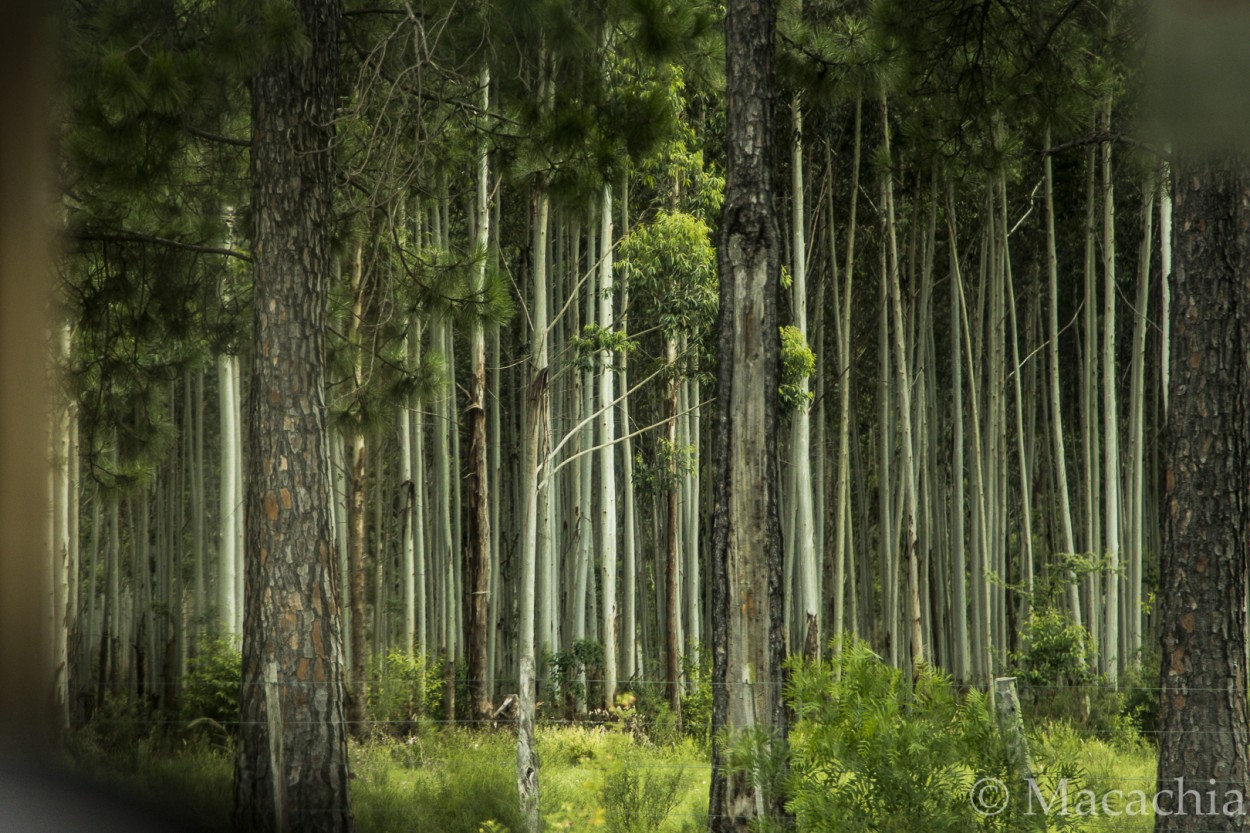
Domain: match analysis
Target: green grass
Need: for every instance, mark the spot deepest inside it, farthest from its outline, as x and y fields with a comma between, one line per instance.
x=450, y=780
x=1125, y=765
x=462, y=781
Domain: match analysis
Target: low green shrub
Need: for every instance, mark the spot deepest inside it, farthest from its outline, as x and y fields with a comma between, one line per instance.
x=568, y=670
x=874, y=751
x=404, y=688
x=1055, y=667
x=640, y=799
x=210, y=690
x=696, y=699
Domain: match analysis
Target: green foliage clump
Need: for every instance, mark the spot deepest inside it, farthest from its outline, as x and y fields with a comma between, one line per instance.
x=1059, y=686
x=1140, y=686
x=874, y=751
x=568, y=668
x=404, y=688
x=595, y=341
x=798, y=363
x=1057, y=651
x=696, y=699
x=671, y=462
x=211, y=687
x=637, y=801
x=671, y=268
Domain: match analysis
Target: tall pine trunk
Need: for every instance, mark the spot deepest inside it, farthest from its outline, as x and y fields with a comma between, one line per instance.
x=291, y=770
x=1204, y=736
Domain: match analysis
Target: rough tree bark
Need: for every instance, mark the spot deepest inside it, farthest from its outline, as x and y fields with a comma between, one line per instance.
x=291, y=769
x=748, y=635
x=1207, y=453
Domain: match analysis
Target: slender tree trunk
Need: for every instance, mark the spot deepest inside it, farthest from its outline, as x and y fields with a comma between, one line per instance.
x=357, y=502
x=1090, y=444
x=227, y=499
x=1165, y=284
x=1024, y=467
x=1056, y=402
x=237, y=447
x=963, y=669
x=419, y=502
x=477, y=573
x=61, y=497
x=533, y=538
x=607, y=459
x=801, y=427
x=1137, y=433
x=408, y=514
x=291, y=770
x=905, y=413
x=747, y=622
x=672, y=576
x=1111, y=444
x=844, y=546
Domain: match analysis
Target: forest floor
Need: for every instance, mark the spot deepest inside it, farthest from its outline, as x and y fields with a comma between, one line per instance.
x=439, y=779
x=592, y=778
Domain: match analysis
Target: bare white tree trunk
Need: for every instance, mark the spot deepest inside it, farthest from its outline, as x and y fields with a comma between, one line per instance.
x=904, y=409
x=227, y=499
x=801, y=426
x=1111, y=445
x=607, y=451
x=533, y=536
x=962, y=666
x=1137, y=435
x=1056, y=402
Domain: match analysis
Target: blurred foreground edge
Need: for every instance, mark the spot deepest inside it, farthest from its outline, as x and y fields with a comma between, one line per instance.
x=34, y=794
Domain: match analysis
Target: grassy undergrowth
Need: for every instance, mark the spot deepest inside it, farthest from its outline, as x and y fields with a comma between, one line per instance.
x=449, y=780
x=593, y=778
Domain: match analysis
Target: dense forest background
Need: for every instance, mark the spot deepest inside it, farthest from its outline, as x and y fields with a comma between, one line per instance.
x=975, y=225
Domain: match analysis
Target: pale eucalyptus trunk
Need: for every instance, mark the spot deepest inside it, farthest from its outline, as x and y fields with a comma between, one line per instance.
x=1090, y=444
x=1137, y=435
x=844, y=547
x=228, y=499
x=607, y=460
x=962, y=661
x=672, y=558
x=533, y=537
x=800, y=426
x=916, y=636
x=478, y=550
x=982, y=659
x=1110, y=410
x=1058, y=452
x=1025, y=467
x=408, y=499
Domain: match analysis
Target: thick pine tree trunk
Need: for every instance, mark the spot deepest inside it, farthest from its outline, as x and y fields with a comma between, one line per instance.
x=291, y=769
x=748, y=638
x=1207, y=453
